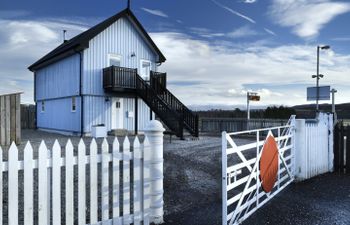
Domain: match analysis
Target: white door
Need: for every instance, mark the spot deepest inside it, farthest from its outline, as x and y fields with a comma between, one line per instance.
x=145, y=69
x=117, y=114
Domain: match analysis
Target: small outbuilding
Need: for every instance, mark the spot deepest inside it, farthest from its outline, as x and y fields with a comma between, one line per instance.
x=10, y=118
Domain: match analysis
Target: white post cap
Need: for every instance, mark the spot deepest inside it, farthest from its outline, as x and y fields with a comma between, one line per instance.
x=154, y=125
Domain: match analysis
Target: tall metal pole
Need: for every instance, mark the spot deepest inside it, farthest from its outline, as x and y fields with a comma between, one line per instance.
x=333, y=91
x=248, y=107
x=318, y=78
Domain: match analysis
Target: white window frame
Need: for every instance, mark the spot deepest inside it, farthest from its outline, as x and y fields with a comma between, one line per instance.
x=150, y=65
x=115, y=56
x=73, y=103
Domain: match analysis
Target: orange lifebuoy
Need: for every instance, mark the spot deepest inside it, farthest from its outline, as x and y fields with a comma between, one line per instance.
x=269, y=164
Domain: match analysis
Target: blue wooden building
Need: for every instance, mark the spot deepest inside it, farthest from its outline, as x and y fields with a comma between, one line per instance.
x=107, y=75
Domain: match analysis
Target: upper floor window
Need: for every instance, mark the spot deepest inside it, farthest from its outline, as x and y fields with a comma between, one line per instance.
x=74, y=104
x=114, y=60
x=145, y=69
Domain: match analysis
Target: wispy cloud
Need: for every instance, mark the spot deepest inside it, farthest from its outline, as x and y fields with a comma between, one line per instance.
x=341, y=39
x=306, y=17
x=270, y=32
x=206, y=33
x=234, y=12
x=244, y=31
x=8, y=14
x=155, y=12
x=249, y=1
x=241, y=32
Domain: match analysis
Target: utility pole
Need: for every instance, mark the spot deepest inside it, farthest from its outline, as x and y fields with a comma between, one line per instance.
x=248, y=107
x=333, y=91
x=318, y=75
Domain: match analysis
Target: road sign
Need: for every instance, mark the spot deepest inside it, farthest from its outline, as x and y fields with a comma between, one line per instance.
x=253, y=97
x=324, y=93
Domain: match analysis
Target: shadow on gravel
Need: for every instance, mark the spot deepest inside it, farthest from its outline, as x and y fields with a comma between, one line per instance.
x=321, y=200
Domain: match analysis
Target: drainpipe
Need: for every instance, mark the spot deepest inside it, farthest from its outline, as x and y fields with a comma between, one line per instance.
x=81, y=95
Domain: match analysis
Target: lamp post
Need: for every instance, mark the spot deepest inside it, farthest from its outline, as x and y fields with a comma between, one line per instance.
x=333, y=91
x=318, y=75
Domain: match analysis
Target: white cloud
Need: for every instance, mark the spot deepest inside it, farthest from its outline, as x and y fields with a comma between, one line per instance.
x=155, y=12
x=22, y=42
x=220, y=74
x=234, y=12
x=306, y=17
x=341, y=39
x=7, y=14
x=244, y=31
x=249, y=1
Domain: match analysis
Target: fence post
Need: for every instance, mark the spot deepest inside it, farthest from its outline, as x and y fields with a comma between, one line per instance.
x=300, y=151
x=154, y=133
x=330, y=143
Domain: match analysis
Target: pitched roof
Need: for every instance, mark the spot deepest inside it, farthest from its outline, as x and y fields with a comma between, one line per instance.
x=81, y=41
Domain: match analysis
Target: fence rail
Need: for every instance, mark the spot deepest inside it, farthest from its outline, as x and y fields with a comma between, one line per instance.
x=116, y=184
x=217, y=125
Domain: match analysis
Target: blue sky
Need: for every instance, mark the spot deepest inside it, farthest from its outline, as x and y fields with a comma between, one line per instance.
x=216, y=49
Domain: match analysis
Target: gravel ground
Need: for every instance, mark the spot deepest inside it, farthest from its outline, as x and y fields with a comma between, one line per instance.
x=192, y=186
x=193, y=191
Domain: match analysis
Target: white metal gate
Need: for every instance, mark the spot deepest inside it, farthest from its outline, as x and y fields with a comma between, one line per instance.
x=242, y=192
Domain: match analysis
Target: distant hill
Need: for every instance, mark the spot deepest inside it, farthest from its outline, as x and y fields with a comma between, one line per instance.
x=276, y=112
x=308, y=111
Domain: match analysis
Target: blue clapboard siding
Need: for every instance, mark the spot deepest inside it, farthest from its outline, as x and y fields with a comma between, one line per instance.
x=143, y=114
x=60, y=79
x=120, y=38
x=58, y=115
x=98, y=111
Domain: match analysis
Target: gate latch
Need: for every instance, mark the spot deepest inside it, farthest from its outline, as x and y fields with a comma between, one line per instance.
x=233, y=175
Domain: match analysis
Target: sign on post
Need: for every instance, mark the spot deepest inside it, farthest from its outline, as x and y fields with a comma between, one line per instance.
x=251, y=96
x=324, y=93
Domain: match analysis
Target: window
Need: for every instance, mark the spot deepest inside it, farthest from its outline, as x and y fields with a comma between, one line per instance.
x=114, y=60
x=117, y=105
x=145, y=69
x=74, y=104
x=42, y=106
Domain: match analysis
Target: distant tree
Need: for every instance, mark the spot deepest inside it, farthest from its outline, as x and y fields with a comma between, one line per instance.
x=281, y=112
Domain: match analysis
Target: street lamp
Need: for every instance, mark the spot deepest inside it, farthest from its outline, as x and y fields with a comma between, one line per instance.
x=333, y=91
x=318, y=75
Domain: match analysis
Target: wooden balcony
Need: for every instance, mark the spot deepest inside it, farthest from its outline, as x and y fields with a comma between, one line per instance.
x=121, y=79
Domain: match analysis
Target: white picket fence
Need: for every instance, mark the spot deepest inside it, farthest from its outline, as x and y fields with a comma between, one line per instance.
x=106, y=187
x=314, y=146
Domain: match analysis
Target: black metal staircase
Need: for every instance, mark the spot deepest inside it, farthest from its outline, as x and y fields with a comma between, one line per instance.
x=154, y=93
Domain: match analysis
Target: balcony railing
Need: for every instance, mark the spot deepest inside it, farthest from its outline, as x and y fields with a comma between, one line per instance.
x=158, y=80
x=115, y=77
